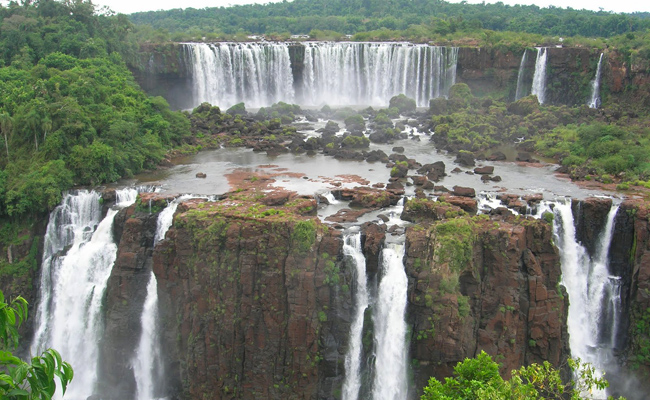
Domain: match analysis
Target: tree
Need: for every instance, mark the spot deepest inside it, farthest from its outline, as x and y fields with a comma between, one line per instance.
x=6, y=126
x=20, y=380
x=478, y=378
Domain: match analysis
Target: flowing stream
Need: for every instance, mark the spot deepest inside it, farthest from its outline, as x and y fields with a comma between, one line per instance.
x=594, y=294
x=539, y=78
x=69, y=316
x=391, y=381
x=352, y=383
x=594, y=101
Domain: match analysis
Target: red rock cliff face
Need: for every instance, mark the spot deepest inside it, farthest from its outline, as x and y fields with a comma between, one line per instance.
x=251, y=306
x=484, y=285
x=636, y=345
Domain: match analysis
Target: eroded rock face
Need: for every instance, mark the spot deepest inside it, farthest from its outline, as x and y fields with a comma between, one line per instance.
x=252, y=307
x=500, y=294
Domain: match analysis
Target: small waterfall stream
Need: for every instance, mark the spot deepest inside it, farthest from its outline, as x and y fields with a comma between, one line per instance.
x=391, y=381
x=594, y=101
x=539, y=78
x=352, y=383
x=594, y=294
x=521, y=91
x=73, y=285
x=147, y=364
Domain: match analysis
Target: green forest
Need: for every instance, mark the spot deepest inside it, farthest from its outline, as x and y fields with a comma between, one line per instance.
x=384, y=19
x=72, y=113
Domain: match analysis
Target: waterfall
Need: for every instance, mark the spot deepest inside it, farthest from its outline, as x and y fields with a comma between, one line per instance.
x=147, y=364
x=258, y=74
x=390, y=381
x=352, y=383
x=594, y=101
x=372, y=73
x=539, y=78
x=594, y=295
x=520, y=92
x=73, y=285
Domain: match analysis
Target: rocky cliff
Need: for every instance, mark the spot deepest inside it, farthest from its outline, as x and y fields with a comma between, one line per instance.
x=479, y=284
x=254, y=302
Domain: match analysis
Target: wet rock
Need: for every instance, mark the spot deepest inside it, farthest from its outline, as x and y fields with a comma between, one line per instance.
x=465, y=203
x=532, y=199
x=398, y=149
x=464, y=191
x=428, y=185
x=396, y=188
x=486, y=170
x=373, y=237
x=496, y=178
x=496, y=156
x=525, y=157
x=276, y=198
x=465, y=159
x=373, y=198
x=419, y=180
x=201, y=175
x=456, y=170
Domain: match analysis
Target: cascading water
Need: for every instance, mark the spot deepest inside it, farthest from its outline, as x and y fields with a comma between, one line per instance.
x=390, y=381
x=539, y=78
x=594, y=101
x=258, y=74
x=372, y=73
x=521, y=91
x=73, y=285
x=594, y=294
x=352, y=383
x=147, y=365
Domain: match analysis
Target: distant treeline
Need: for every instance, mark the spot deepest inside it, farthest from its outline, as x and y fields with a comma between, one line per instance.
x=355, y=16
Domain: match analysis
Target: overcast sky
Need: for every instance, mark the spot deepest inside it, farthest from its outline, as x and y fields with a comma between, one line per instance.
x=130, y=6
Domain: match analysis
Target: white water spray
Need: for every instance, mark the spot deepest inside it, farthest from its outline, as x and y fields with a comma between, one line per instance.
x=594, y=101
x=539, y=78
x=147, y=364
x=372, y=73
x=258, y=74
x=520, y=92
x=77, y=281
x=390, y=381
x=591, y=289
x=352, y=383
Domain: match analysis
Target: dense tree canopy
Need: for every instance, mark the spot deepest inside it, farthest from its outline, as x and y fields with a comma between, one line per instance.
x=70, y=110
x=354, y=16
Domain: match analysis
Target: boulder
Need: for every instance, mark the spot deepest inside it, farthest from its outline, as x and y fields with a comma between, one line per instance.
x=464, y=191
